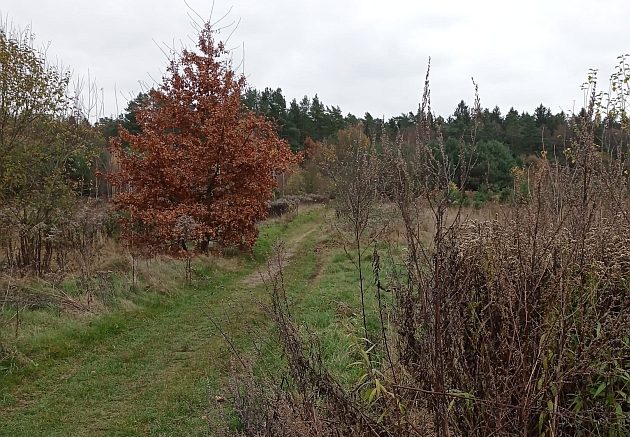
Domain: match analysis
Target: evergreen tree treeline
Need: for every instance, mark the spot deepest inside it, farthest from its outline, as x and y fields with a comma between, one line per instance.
x=523, y=133
x=308, y=118
x=503, y=141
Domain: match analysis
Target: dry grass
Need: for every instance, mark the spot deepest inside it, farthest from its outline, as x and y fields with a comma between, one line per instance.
x=505, y=321
x=426, y=223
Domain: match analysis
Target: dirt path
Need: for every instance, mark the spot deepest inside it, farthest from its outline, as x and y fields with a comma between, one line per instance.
x=276, y=262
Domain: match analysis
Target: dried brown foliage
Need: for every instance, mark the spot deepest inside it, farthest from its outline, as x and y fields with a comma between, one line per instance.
x=519, y=325
x=513, y=326
x=202, y=169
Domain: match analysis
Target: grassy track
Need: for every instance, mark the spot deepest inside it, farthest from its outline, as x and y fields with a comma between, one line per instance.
x=146, y=371
x=154, y=369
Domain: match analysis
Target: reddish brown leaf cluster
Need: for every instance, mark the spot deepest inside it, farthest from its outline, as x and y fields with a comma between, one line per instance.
x=202, y=169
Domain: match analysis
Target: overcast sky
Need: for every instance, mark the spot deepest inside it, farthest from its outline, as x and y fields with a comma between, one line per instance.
x=361, y=55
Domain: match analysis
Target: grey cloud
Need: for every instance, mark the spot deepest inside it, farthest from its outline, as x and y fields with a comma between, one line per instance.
x=360, y=55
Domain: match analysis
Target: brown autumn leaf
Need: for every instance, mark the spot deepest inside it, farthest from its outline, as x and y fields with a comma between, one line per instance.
x=202, y=168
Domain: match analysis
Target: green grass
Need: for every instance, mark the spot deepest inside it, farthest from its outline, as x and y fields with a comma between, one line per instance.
x=152, y=367
x=330, y=307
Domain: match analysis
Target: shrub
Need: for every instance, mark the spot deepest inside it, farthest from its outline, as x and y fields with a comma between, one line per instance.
x=513, y=326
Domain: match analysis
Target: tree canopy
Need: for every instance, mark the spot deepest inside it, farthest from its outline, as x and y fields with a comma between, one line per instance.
x=201, y=167
x=46, y=149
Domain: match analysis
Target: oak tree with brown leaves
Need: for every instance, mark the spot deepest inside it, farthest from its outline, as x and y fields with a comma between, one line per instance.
x=202, y=168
